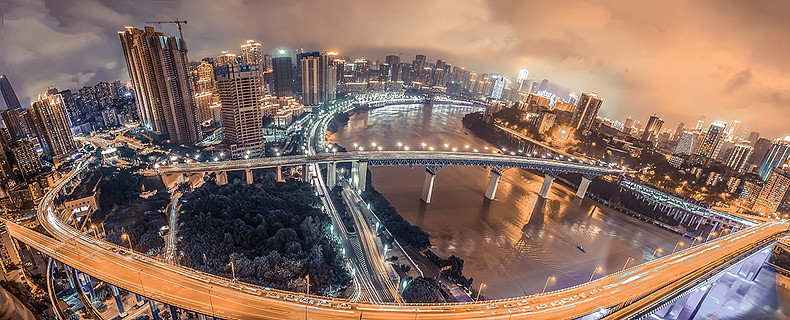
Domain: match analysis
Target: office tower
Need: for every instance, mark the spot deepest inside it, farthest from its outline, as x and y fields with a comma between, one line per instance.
x=544, y=85
x=239, y=91
x=49, y=124
x=586, y=110
x=523, y=74
x=283, y=76
x=686, y=142
x=16, y=122
x=774, y=191
x=226, y=58
x=711, y=143
x=652, y=129
x=251, y=53
x=761, y=148
x=417, y=67
x=158, y=67
x=732, y=129
x=311, y=79
x=9, y=253
x=739, y=156
x=437, y=78
x=9, y=96
x=753, y=137
x=681, y=127
x=394, y=67
x=499, y=85
x=27, y=161
x=203, y=87
x=776, y=155
x=330, y=84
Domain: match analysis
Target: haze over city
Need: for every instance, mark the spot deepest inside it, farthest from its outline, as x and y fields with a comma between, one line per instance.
x=680, y=59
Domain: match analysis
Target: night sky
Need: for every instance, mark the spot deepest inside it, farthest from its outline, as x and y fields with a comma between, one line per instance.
x=723, y=59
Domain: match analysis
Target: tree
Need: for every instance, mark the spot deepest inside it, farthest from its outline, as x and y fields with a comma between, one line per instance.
x=422, y=290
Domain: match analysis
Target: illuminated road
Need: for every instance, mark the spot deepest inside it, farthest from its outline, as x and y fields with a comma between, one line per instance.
x=215, y=296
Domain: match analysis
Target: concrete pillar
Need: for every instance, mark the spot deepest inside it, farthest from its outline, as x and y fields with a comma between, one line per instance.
x=331, y=174
x=154, y=310
x=201, y=317
x=69, y=275
x=698, y=224
x=363, y=175
x=87, y=283
x=427, y=186
x=279, y=174
x=140, y=300
x=305, y=173
x=173, y=314
x=117, y=295
x=222, y=177
x=248, y=174
x=546, y=187
x=583, y=187
x=493, y=183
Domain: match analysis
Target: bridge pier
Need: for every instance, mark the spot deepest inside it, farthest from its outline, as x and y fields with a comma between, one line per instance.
x=173, y=314
x=493, y=183
x=86, y=283
x=305, y=173
x=69, y=276
x=362, y=174
x=118, y=301
x=154, y=309
x=278, y=176
x=140, y=300
x=583, y=187
x=222, y=178
x=427, y=186
x=331, y=174
x=698, y=224
x=248, y=175
x=546, y=187
x=201, y=316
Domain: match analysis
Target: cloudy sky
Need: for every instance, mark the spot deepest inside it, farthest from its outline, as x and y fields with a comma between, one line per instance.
x=724, y=59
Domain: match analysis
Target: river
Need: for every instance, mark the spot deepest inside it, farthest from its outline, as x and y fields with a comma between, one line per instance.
x=515, y=243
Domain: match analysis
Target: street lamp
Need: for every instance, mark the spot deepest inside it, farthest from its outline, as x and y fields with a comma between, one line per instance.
x=654, y=253
x=479, y=290
x=695, y=239
x=676, y=246
x=547, y=284
x=126, y=236
x=594, y=272
x=626, y=262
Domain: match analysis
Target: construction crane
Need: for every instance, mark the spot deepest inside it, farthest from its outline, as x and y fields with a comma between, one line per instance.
x=177, y=22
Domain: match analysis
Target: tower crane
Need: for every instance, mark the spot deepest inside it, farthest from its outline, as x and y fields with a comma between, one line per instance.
x=177, y=22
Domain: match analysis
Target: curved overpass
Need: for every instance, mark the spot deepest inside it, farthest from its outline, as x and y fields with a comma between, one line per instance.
x=219, y=297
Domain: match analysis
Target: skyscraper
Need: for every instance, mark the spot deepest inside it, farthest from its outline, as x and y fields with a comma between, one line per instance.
x=586, y=110
x=158, y=67
x=686, y=142
x=681, y=127
x=523, y=74
x=753, y=137
x=739, y=156
x=437, y=78
x=251, y=53
x=49, y=124
x=732, y=129
x=15, y=120
x=394, y=67
x=312, y=77
x=711, y=144
x=544, y=85
x=776, y=155
x=773, y=192
x=761, y=148
x=653, y=129
x=9, y=96
x=27, y=161
x=499, y=85
x=283, y=76
x=226, y=58
x=239, y=91
x=204, y=88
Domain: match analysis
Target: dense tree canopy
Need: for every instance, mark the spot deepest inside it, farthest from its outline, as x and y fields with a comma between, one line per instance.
x=423, y=290
x=275, y=235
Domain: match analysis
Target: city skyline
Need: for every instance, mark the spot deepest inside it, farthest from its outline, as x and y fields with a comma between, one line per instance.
x=681, y=81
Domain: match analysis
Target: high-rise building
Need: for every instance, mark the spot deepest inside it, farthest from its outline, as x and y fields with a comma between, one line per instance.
x=753, y=137
x=761, y=148
x=48, y=122
x=681, y=127
x=283, y=76
x=226, y=58
x=9, y=96
x=394, y=67
x=686, y=142
x=776, y=155
x=27, y=161
x=499, y=85
x=9, y=253
x=239, y=91
x=773, y=192
x=204, y=88
x=523, y=74
x=586, y=110
x=700, y=123
x=732, y=129
x=158, y=67
x=251, y=53
x=544, y=85
x=739, y=156
x=437, y=78
x=652, y=129
x=312, y=67
x=15, y=120
x=418, y=67
x=711, y=143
